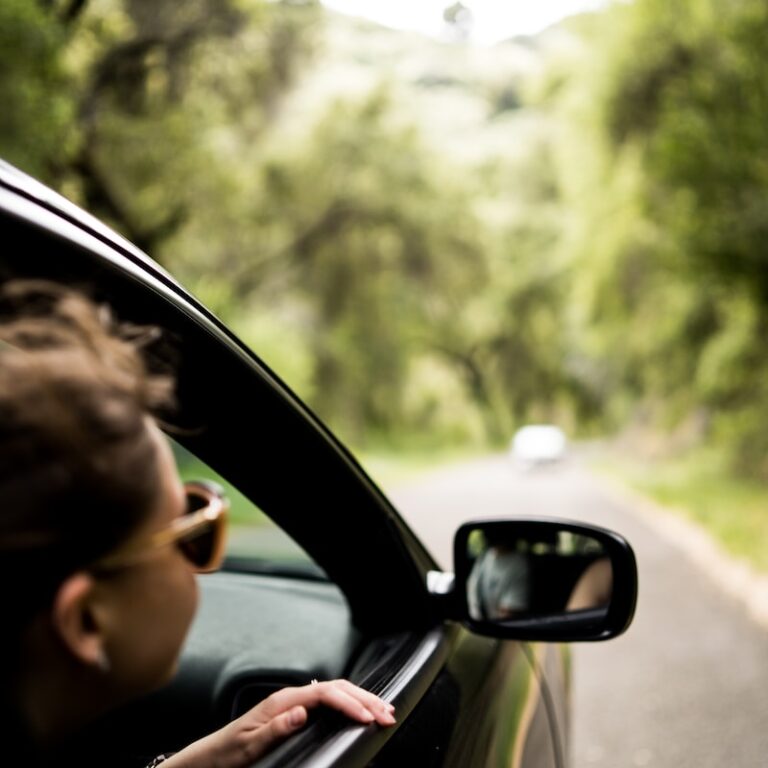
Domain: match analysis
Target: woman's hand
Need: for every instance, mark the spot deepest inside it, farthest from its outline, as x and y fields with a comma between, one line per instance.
x=262, y=728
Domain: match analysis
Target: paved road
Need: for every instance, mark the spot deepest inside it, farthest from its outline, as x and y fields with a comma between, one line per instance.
x=687, y=686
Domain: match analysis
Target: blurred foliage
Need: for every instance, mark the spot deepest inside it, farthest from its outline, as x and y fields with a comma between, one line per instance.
x=34, y=88
x=671, y=246
x=143, y=105
x=570, y=227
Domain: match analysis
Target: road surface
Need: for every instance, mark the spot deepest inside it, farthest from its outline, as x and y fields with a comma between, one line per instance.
x=687, y=685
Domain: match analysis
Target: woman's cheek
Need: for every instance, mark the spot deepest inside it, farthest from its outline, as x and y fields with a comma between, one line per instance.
x=170, y=601
x=182, y=606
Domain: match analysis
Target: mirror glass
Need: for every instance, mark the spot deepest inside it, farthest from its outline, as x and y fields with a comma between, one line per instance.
x=536, y=572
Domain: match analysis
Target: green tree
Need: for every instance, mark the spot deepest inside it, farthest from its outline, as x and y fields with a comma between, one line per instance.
x=38, y=108
x=145, y=111
x=671, y=249
x=363, y=227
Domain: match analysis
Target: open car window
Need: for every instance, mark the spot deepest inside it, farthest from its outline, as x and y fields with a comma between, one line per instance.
x=292, y=468
x=255, y=544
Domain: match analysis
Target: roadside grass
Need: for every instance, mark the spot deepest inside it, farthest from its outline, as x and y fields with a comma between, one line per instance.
x=700, y=487
x=392, y=469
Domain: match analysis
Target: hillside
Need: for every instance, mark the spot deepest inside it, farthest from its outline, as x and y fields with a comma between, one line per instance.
x=466, y=99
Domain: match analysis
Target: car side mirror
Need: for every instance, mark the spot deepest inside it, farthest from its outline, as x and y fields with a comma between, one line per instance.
x=548, y=580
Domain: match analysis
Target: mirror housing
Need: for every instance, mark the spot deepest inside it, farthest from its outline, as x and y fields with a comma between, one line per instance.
x=543, y=579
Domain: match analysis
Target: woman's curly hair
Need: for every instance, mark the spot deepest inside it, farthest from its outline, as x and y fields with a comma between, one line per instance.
x=78, y=469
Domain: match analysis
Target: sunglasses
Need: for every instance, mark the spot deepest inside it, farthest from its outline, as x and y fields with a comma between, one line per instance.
x=199, y=534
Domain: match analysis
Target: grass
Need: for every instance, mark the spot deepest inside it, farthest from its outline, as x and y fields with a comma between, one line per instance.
x=392, y=469
x=700, y=487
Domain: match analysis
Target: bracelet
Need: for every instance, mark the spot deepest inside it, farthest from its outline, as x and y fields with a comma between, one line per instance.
x=159, y=759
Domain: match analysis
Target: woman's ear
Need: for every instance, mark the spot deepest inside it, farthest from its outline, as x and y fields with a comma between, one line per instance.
x=77, y=621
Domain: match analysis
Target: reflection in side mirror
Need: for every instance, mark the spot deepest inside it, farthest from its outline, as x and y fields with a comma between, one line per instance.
x=514, y=577
x=544, y=580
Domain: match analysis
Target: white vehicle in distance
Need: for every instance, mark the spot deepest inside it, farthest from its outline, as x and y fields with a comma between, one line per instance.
x=537, y=445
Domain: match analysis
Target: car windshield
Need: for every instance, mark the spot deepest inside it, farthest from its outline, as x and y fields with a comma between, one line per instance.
x=255, y=543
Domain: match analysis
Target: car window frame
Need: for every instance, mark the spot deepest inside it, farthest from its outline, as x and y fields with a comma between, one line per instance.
x=384, y=583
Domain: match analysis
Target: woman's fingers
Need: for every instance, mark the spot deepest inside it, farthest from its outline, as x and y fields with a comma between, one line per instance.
x=281, y=726
x=353, y=702
x=341, y=695
x=241, y=742
x=369, y=700
x=283, y=713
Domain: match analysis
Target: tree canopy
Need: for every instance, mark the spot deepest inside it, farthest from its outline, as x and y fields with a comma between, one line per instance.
x=567, y=228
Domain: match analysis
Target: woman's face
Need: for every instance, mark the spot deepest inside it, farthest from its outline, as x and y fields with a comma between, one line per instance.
x=153, y=600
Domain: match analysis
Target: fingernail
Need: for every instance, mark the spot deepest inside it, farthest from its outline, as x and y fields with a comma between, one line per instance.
x=296, y=717
x=367, y=716
x=389, y=719
x=390, y=707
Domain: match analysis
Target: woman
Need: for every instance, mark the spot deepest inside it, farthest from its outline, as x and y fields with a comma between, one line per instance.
x=95, y=545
